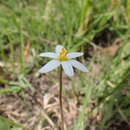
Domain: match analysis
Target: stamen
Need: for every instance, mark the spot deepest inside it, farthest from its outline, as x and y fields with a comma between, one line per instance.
x=63, y=55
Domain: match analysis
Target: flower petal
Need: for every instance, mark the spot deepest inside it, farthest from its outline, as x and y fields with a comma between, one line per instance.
x=67, y=68
x=78, y=65
x=58, y=49
x=74, y=54
x=49, y=66
x=49, y=54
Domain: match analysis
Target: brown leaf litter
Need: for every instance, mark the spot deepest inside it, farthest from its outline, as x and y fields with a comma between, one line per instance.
x=38, y=108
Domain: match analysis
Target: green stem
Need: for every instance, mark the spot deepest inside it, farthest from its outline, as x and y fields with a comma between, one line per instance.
x=60, y=99
x=21, y=48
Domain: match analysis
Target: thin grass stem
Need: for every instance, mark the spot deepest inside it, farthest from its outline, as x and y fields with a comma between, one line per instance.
x=60, y=99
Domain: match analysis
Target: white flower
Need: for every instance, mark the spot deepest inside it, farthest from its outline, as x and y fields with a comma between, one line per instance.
x=63, y=58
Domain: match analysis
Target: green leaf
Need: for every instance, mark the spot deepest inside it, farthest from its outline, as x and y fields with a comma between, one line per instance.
x=4, y=124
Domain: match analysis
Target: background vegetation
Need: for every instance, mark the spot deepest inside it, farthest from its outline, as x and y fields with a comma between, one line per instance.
x=101, y=29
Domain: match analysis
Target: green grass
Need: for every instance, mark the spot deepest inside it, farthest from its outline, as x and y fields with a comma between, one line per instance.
x=75, y=24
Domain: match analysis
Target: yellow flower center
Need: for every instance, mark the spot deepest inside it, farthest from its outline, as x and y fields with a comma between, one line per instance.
x=63, y=55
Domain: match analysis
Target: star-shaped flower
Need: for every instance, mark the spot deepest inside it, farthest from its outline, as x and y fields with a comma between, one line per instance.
x=63, y=58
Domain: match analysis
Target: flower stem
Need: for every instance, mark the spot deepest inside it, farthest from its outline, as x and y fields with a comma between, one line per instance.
x=60, y=99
